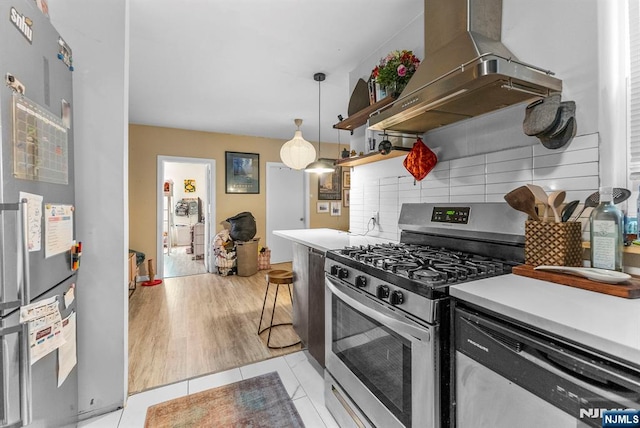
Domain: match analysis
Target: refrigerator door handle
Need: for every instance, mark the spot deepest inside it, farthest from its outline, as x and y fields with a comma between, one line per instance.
x=26, y=393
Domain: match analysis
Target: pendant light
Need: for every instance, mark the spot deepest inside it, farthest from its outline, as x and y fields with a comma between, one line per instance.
x=297, y=152
x=319, y=166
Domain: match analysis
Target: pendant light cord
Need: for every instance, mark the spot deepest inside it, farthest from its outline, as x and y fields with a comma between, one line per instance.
x=319, y=81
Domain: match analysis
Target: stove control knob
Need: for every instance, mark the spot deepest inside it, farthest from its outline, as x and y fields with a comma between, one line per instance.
x=361, y=281
x=343, y=273
x=382, y=291
x=397, y=298
x=334, y=269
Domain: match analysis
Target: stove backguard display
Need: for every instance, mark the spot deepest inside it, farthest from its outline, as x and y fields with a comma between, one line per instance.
x=458, y=215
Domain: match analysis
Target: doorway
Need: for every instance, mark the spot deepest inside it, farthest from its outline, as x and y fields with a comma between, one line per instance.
x=185, y=203
x=287, y=207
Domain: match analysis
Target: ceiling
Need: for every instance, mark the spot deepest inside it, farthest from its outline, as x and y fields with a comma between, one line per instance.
x=246, y=66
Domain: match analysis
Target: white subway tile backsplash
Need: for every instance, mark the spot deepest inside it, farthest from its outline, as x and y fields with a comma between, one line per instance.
x=437, y=191
x=575, y=183
x=467, y=181
x=566, y=158
x=503, y=188
x=467, y=171
x=386, y=181
x=433, y=175
x=579, y=170
x=467, y=198
x=511, y=176
x=494, y=197
x=468, y=190
x=467, y=161
x=506, y=155
x=441, y=166
x=436, y=183
x=512, y=165
x=435, y=199
x=486, y=177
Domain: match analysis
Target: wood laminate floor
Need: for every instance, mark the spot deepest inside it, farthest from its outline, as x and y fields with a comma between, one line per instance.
x=180, y=263
x=194, y=325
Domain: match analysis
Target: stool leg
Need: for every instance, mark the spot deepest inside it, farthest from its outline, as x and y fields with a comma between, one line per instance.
x=273, y=311
x=264, y=302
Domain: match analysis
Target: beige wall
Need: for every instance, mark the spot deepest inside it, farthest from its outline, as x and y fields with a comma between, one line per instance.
x=146, y=143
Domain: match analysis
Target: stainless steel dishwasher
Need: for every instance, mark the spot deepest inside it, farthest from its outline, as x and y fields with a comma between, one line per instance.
x=509, y=375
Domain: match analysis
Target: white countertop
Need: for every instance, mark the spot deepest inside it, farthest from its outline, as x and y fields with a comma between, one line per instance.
x=327, y=239
x=605, y=323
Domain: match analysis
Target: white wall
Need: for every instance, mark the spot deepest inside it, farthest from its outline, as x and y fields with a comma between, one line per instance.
x=577, y=39
x=98, y=33
x=178, y=172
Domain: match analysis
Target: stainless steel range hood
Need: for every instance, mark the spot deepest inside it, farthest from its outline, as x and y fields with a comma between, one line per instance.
x=466, y=72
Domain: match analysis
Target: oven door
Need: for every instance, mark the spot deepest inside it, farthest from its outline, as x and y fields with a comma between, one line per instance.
x=385, y=362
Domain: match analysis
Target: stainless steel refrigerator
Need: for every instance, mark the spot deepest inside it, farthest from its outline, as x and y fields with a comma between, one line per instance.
x=35, y=251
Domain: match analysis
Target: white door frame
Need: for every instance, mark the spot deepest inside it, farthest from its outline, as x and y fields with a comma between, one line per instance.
x=305, y=195
x=210, y=209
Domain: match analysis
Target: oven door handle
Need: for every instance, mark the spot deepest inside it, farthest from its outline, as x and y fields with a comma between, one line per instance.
x=393, y=321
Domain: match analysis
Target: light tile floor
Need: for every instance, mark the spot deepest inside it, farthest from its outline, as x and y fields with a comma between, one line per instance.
x=301, y=380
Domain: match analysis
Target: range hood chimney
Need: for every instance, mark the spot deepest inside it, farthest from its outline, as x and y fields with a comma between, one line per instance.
x=466, y=72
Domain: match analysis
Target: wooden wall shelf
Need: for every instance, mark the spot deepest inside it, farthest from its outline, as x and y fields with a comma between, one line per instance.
x=373, y=157
x=360, y=118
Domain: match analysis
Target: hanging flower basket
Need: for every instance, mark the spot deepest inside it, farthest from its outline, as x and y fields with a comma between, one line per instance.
x=395, y=70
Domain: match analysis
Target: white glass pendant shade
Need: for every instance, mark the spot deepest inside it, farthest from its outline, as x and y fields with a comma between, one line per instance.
x=297, y=153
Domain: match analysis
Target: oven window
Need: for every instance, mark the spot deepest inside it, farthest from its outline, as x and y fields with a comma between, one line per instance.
x=380, y=358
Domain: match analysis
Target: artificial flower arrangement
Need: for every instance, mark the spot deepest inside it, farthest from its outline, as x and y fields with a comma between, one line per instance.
x=395, y=70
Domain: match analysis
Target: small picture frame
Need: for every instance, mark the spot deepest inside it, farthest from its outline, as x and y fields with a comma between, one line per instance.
x=336, y=209
x=242, y=172
x=346, y=194
x=322, y=207
x=346, y=179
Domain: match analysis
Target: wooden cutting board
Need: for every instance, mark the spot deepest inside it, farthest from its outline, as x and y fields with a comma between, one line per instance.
x=628, y=289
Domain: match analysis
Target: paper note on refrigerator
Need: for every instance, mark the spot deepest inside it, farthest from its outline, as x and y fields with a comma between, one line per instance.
x=69, y=296
x=58, y=227
x=39, y=309
x=67, y=355
x=34, y=209
x=45, y=335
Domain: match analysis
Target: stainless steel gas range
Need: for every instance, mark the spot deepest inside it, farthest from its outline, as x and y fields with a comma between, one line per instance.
x=387, y=338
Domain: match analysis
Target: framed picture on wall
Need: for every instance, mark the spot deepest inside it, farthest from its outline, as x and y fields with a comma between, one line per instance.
x=336, y=208
x=329, y=186
x=242, y=172
x=346, y=193
x=346, y=179
x=322, y=207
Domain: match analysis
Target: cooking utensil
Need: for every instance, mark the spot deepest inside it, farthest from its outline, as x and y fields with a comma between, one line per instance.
x=555, y=200
x=595, y=274
x=619, y=195
x=541, y=197
x=522, y=199
x=568, y=210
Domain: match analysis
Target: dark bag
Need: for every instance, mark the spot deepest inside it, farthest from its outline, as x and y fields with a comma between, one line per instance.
x=243, y=226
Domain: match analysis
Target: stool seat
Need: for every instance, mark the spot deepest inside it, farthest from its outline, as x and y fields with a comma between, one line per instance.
x=277, y=277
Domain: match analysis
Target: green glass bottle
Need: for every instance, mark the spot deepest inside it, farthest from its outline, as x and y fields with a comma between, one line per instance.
x=607, y=233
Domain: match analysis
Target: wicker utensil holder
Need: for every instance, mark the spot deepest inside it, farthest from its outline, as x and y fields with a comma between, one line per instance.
x=556, y=244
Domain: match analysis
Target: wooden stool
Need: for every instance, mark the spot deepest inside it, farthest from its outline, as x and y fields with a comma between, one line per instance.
x=277, y=277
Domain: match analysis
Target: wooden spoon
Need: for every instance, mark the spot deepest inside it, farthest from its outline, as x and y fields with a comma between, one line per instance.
x=522, y=199
x=541, y=197
x=555, y=200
